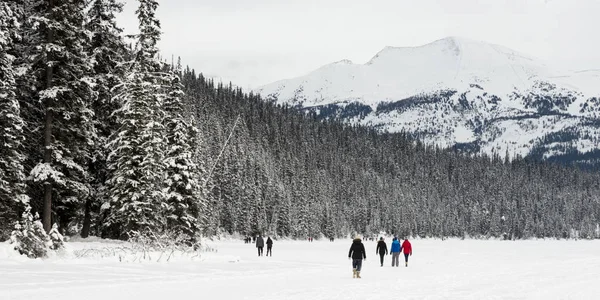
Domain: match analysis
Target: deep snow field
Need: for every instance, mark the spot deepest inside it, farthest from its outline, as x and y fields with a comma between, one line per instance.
x=450, y=269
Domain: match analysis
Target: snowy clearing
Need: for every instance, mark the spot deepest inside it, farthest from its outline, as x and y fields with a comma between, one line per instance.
x=451, y=269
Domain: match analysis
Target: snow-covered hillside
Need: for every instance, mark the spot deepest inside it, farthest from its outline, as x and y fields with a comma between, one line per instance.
x=479, y=96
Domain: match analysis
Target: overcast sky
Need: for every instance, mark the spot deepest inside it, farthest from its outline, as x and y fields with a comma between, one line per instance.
x=255, y=42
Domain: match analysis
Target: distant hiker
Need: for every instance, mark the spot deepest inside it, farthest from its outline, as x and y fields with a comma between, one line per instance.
x=331, y=239
x=395, y=252
x=381, y=250
x=269, y=246
x=407, y=247
x=260, y=244
x=358, y=253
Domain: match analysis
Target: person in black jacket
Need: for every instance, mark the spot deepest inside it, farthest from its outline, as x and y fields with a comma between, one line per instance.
x=358, y=253
x=269, y=246
x=381, y=250
x=260, y=243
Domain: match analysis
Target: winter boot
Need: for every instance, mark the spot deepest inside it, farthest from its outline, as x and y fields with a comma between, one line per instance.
x=358, y=274
x=406, y=264
x=353, y=273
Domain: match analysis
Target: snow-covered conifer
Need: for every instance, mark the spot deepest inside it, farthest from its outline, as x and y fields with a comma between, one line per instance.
x=29, y=237
x=64, y=70
x=56, y=239
x=183, y=193
x=107, y=51
x=137, y=148
x=12, y=176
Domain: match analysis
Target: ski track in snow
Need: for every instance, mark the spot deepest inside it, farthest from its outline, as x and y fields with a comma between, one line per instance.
x=451, y=269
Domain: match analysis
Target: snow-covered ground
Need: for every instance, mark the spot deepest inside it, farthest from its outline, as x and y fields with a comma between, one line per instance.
x=451, y=269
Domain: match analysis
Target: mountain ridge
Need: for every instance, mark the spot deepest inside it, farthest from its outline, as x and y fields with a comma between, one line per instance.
x=455, y=90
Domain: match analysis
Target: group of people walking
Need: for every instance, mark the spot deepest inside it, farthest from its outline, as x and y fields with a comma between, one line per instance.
x=357, y=251
x=260, y=245
x=395, y=251
x=358, y=254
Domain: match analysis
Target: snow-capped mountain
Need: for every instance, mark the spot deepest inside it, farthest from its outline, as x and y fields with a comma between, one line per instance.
x=458, y=92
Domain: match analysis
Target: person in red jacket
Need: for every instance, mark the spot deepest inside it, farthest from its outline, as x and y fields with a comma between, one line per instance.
x=407, y=247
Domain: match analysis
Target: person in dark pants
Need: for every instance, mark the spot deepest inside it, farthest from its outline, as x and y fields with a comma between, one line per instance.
x=269, y=246
x=260, y=244
x=407, y=247
x=358, y=254
x=381, y=250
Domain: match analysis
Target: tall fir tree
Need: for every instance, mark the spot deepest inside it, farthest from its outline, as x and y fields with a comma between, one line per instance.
x=29, y=81
x=66, y=95
x=183, y=195
x=137, y=148
x=108, y=51
x=12, y=176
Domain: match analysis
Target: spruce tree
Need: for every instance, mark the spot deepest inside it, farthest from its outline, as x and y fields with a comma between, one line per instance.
x=29, y=79
x=183, y=193
x=29, y=237
x=12, y=176
x=137, y=147
x=107, y=51
x=65, y=69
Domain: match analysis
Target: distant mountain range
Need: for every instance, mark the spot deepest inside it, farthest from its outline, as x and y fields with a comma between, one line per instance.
x=456, y=92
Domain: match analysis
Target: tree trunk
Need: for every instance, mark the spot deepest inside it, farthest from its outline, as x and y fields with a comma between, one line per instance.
x=87, y=219
x=47, y=213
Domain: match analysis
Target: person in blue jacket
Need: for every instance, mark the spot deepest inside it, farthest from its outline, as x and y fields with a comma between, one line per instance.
x=395, y=252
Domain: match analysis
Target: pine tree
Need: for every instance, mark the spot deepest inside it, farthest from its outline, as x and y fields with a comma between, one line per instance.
x=107, y=50
x=63, y=64
x=12, y=176
x=29, y=237
x=56, y=239
x=28, y=78
x=183, y=197
x=137, y=148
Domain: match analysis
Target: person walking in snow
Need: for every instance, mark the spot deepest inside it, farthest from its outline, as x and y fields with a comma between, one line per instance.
x=358, y=254
x=269, y=246
x=407, y=247
x=395, y=252
x=260, y=244
x=381, y=250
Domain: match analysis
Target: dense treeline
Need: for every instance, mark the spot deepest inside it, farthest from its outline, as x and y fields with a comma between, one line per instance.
x=287, y=173
x=104, y=139
x=94, y=137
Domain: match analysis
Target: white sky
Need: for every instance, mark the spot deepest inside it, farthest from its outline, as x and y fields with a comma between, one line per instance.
x=255, y=42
